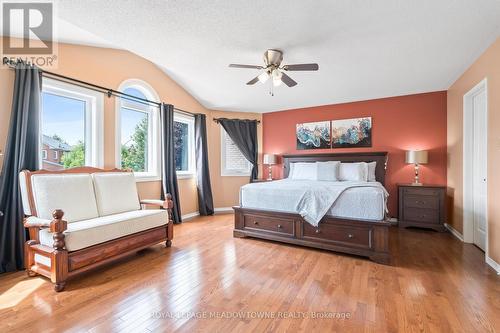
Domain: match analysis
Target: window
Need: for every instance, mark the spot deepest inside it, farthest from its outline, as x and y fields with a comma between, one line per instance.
x=137, y=129
x=233, y=162
x=71, y=126
x=184, y=145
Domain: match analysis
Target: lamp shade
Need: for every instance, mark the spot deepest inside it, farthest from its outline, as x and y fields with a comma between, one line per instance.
x=269, y=159
x=417, y=156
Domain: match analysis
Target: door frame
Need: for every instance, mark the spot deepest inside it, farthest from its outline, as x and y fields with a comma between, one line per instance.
x=468, y=148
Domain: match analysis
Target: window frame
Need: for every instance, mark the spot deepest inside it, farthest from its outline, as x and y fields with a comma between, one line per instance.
x=94, y=118
x=189, y=120
x=226, y=172
x=56, y=155
x=154, y=149
x=44, y=154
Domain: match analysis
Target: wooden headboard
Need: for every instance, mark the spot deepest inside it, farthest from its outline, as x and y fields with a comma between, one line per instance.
x=380, y=157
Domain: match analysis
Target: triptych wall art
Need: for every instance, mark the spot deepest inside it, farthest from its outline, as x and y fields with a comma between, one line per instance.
x=342, y=133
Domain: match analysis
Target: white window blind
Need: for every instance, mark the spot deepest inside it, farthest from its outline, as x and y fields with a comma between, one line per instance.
x=233, y=161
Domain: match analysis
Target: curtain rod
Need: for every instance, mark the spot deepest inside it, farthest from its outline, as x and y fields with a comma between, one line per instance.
x=217, y=120
x=108, y=91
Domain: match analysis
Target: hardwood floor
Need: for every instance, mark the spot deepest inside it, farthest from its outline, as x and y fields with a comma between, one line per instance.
x=436, y=284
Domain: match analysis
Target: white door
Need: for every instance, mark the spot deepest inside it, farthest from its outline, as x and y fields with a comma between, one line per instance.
x=479, y=169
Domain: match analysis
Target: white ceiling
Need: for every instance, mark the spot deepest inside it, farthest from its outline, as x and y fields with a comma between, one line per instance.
x=365, y=49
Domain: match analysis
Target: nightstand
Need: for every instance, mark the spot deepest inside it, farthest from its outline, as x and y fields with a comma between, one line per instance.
x=422, y=206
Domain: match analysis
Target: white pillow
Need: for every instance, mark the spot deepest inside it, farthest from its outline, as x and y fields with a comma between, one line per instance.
x=328, y=171
x=304, y=171
x=371, y=171
x=354, y=171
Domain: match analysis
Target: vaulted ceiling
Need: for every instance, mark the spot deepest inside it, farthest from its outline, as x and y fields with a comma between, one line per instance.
x=365, y=49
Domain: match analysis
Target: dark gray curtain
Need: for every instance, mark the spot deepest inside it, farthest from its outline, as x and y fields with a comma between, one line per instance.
x=205, y=199
x=244, y=135
x=21, y=153
x=169, y=176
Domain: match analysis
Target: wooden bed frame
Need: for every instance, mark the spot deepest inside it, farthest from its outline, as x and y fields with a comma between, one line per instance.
x=66, y=265
x=358, y=237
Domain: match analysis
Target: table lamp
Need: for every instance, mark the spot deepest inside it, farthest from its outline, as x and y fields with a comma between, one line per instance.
x=269, y=160
x=417, y=157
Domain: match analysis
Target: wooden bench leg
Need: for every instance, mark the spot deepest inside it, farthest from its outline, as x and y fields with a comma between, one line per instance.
x=170, y=233
x=29, y=257
x=59, y=260
x=59, y=269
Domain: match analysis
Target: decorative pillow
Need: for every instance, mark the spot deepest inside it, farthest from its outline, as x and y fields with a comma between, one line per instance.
x=304, y=171
x=371, y=171
x=328, y=171
x=354, y=171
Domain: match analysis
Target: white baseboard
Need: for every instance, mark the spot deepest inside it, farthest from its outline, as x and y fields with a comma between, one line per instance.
x=454, y=232
x=190, y=216
x=493, y=264
x=220, y=210
x=223, y=210
x=489, y=261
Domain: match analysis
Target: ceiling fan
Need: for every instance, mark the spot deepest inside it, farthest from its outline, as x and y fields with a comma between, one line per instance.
x=273, y=69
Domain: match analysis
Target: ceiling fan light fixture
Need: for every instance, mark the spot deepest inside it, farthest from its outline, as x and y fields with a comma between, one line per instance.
x=277, y=74
x=263, y=77
x=274, y=70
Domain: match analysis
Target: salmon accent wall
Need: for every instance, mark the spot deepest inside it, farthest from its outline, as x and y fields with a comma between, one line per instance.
x=399, y=124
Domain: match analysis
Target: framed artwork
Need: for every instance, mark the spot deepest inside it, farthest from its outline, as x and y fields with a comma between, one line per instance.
x=313, y=135
x=352, y=133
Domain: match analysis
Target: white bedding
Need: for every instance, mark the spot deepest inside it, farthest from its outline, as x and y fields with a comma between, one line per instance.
x=315, y=199
x=365, y=203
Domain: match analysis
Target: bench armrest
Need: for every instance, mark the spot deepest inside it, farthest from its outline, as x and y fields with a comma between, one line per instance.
x=55, y=225
x=153, y=202
x=165, y=204
x=35, y=222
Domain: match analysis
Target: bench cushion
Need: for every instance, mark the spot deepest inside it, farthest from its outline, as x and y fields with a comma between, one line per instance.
x=116, y=192
x=86, y=233
x=73, y=193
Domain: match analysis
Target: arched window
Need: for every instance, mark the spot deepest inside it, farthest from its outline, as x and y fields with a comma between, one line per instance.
x=137, y=131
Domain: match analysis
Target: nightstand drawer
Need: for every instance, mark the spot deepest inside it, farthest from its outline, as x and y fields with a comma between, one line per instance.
x=421, y=191
x=421, y=215
x=421, y=201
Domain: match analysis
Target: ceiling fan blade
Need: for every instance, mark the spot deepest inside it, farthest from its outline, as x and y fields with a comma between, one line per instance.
x=245, y=66
x=253, y=81
x=301, y=67
x=288, y=80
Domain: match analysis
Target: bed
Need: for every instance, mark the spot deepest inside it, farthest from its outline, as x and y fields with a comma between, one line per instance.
x=347, y=217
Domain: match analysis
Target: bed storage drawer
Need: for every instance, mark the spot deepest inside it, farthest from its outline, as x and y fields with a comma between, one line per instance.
x=339, y=234
x=282, y=226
